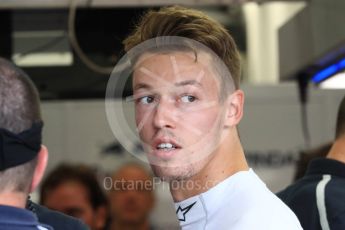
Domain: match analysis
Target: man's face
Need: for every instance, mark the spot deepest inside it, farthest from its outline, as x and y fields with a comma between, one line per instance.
x=132, y=198
x=178, y=113
x=72, y=198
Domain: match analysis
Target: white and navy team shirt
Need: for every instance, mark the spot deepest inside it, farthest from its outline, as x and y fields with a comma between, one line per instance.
x=318, y=199
x=241, y=202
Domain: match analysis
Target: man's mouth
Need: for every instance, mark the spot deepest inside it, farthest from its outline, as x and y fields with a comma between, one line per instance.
x=166, y=146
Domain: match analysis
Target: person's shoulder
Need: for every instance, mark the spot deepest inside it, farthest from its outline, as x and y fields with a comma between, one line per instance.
x=280, y=218
x=265, y=205
x=286, y=193
x=56, y=219
x=262, y=210
x=303, y=187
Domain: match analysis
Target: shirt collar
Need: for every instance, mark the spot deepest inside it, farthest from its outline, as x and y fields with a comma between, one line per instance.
x=198, y=207
x=326, y=166
x=10, y=214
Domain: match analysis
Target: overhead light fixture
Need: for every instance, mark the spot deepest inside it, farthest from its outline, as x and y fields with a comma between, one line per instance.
x=335, y=82
x=41, y=48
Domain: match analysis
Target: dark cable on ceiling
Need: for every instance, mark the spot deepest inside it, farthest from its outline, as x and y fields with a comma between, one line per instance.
x=75, y=44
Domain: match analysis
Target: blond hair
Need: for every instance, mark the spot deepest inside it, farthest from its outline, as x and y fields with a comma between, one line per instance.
x=192, y=24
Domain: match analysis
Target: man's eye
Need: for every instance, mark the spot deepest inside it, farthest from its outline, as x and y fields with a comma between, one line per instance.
x=188, y=98
x=146, y=99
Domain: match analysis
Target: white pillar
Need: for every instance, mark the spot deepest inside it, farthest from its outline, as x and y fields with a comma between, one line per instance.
x=262, y=24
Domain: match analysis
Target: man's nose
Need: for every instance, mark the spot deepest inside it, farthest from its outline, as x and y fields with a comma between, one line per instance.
x=165, y=114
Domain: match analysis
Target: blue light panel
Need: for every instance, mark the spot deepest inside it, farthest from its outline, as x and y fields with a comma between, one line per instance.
x=329, y=71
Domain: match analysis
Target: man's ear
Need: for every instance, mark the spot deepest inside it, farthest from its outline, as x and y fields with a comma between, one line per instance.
x=42, y=161
x=234, y=108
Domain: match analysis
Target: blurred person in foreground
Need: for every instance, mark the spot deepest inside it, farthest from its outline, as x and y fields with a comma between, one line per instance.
x=318, y=198
x=22, y=157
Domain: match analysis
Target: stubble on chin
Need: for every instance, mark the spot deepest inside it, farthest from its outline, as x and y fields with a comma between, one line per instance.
x=174, y=173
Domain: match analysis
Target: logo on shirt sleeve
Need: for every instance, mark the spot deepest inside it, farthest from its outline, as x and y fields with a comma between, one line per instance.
x=181, y=212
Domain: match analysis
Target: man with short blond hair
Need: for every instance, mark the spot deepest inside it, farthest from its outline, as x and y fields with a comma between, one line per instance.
x=186, y=74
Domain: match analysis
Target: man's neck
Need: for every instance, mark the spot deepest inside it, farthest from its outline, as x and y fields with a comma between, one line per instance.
x=116, y=225
x=337, y=151
x=225, y=162
x=14, y=199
